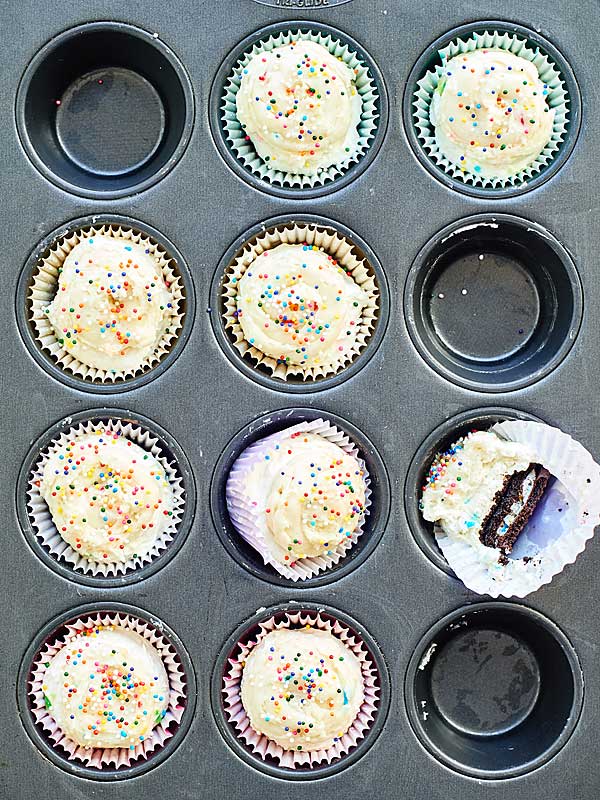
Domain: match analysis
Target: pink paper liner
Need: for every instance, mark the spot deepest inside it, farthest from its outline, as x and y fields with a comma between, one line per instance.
x=260, y=744
x=117, y=757
x=247, y=520
x=43, y=524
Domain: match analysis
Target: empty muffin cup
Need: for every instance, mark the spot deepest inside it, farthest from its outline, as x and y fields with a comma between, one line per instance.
x=494, y=690
x=105, y=110
x=438, y=441
x=38, y=286
x=268, y=756
x=237, y=149
x=340, y=247
x=250, y=550
x=40, y=529
x=561, y=96
x=493, y=302
x=98, y=763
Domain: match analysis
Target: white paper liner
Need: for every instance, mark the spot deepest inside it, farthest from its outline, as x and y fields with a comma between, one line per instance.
x=561, y=524
x=44, y=284
x=339, y=248
x=557, y=99
x=249, y=521
x=118, y=756
x=264, y=747
x=244, y=149
x=43, y=524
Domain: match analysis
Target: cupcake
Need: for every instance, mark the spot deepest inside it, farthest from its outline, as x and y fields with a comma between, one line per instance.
x=109, y=499
x=512, y=505
x=302, y=689
x=490, y=113
x=299, y=106
x=112, y=307
x=106, y=687
x=299, y=497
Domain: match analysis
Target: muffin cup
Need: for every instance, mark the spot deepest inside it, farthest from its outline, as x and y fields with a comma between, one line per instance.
x=260, y=744
x=339, y=248
x=557, y=98
x=97, y=757
x=43, y=288
x=248, y=520
x=558, y=531
x=43, y=524
x=237, y=137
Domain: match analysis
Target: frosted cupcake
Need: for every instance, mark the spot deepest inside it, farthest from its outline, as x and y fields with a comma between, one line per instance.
x=109, y=499
x=112, y=308
x=106, y=687
x=490, y=113
x=512, y=506
x=302, y=689
x=299, y=497
x=299, y=106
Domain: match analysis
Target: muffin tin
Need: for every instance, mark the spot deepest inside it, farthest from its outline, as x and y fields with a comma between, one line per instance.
x=426, y=375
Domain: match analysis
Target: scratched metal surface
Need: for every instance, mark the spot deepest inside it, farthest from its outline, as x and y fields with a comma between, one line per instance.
x=203, y=400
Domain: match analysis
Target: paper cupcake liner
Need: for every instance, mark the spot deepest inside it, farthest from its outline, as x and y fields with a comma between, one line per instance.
x=44, y=284
x=244, y=149
x=335, y=245
x=43, y=524
x=557, y=532
x=249, y=521
x=117, y=757
x=264, y=747
x=557, y=99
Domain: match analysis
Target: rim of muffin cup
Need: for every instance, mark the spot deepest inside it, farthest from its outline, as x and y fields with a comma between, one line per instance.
x=225, y=127
x=350, y=250
x=373, y=525
x=435, y=442
x=37, y=284
x=372, y=661
x=182, y=684
x=40, y=531
x=538, y=173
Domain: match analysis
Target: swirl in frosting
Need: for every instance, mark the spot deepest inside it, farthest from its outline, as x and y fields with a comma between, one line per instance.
x=297, y=305
x=106, y=687
x=112, y=306
x=302, y=688
x=490, y=113
x=300, y=107
x=109, y=499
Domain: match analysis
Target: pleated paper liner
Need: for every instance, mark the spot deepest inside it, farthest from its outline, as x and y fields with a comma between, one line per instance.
x=562, y=523
x=44, y=284
x=249, y=521
x=43, y=524
x=108, y=758
x=264, y=748
x=237, y=137
x=557, y=99
x=333, y=244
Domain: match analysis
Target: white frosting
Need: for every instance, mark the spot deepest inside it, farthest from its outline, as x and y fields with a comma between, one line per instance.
x=296, y=304
x=106, y=688
x=112, y=306
x=490, y=113
x=304, y=680
x=310, y=494
x=109, y=498
x=299, y=106
x=462, y=483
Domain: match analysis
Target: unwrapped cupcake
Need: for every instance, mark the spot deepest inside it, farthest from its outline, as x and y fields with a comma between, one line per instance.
x=299, y=497
x=512, y=505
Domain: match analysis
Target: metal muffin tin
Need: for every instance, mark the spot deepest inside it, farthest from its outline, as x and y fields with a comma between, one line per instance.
x=172, y=177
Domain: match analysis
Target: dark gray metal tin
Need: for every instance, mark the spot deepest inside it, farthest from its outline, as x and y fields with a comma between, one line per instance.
x=298, y=386
x=168, y=446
